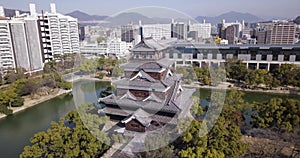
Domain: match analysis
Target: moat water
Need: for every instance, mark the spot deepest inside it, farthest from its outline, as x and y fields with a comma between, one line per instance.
x=16, y=130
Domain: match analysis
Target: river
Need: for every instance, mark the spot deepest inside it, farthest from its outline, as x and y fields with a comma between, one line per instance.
x=16, y=130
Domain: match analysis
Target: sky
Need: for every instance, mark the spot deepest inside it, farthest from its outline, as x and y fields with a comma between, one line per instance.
x=193, y=8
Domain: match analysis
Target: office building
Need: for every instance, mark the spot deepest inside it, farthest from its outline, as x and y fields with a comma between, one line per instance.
x=203, y=29
x=128, y=32
x=179, y=30
x=231, y=34
x=283, y=33
x=255, y=56
x=157, y=31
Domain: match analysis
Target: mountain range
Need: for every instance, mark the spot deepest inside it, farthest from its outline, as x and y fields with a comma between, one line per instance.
x=125, y=18
x=230, y=17
x=81, y=16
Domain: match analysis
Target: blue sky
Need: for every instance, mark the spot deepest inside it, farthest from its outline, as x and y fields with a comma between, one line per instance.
x=262, y=8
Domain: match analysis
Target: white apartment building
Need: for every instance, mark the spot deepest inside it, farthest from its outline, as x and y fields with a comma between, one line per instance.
x=6, y=50
x=118, y=47
x=59, y=33
x=93, y=48
x=20, y=43
x=203, y=29
x=157, y=31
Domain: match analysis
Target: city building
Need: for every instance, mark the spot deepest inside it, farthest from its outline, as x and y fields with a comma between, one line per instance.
x=157, y=31
x=223, y=26
x=6, y=49
x=21, y=45
x=128, y=32
x=203, y=29
x=253, y=55
x=35, y=38
x=118, y=47
x=179, y=30
x=231, y=34
x=59, y=33
x=283, y=33
x=92, y=48
x=150, y=96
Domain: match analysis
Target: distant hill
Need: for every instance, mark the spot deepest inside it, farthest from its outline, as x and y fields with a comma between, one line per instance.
x=297, y=20
x=133, y=17
x=81, y=16
x=130, y=17
x=230, y=17
x=12, y=12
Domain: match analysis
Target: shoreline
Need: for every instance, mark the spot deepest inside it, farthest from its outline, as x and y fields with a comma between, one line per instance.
x=28, y=103
x=225, y=87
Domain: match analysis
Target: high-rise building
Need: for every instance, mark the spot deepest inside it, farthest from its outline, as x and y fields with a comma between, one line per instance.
x=6, y=50
x=283, y=33
x=203, y=29
x=21, y=45
x=59, y=33
x=29, y=40
x=157, y=31
x=179, y=30
x=127, y=33
x=263, y=36
x=231, y=35
x=277, y=32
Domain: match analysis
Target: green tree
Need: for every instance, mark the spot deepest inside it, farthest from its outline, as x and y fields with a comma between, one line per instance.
x=203, y=75
x=88, y=65
x=9, y=97
x=287, y=74
x=236, y=69
x=13, y=75
x=64, y=140
x=278, y=113
x=100, y=39
x=222, y=141
x=117, y=71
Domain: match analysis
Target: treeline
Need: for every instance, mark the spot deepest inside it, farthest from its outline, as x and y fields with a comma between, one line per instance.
x=102, y=67
x=16, y=83
x=284, y=75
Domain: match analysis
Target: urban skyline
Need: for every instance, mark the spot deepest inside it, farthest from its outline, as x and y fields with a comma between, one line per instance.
x=261, y=9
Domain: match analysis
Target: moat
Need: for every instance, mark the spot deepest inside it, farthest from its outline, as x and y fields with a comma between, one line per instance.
x=16, y=130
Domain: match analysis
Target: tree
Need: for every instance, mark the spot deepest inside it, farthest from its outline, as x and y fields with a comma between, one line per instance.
x=203, y=75
x=287, y=74
x=64, y=140
x=9, y=97
x=236, y=69
x=278, y=113
x=222, y=141
x=258, y=77
x=117, y=71
x=13, y=75
x=233, y=107
x=88, y=65
x=100, y=39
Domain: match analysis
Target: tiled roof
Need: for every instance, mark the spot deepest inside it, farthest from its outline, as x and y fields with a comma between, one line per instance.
x=144, y=75
x=149, y=45
x=139, y=82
